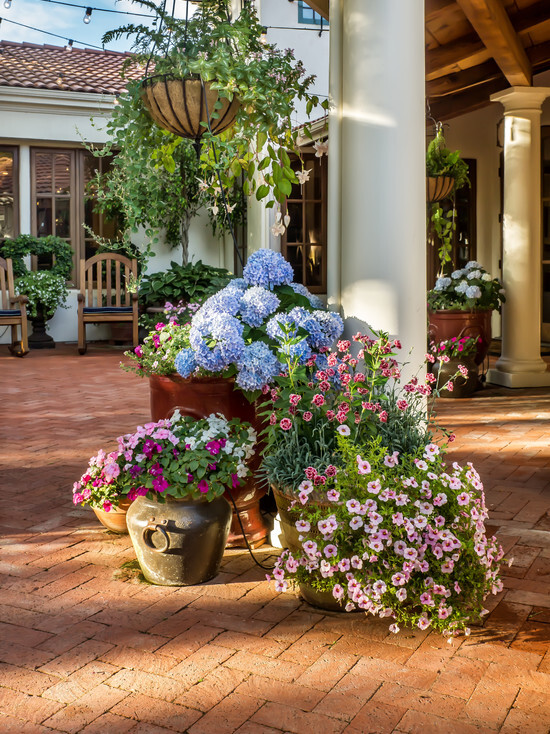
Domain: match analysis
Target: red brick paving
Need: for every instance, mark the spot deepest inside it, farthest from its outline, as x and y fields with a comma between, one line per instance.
x=85, y=647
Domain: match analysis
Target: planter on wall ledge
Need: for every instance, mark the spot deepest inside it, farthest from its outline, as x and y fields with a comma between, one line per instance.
x=438, y=188
x=445, y=324
x=180, y=105
x=199, y=397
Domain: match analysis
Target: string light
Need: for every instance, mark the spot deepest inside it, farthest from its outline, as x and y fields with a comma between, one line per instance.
x=69, y=46
x=55, y=35
x=7, y=4
x=87, y=16
x=98, y=10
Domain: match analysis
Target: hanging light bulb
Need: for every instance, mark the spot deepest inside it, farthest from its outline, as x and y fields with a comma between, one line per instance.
x=69, y=46
x=87, y=16
x=7, y=4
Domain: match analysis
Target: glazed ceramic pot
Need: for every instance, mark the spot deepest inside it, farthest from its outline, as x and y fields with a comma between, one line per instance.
x=463, y=386
x=199, y=397
x=115, y=519
x=179, y=542
x=284, y=498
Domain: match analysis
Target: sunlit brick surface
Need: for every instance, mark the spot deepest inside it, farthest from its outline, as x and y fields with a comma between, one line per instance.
x=85, y=647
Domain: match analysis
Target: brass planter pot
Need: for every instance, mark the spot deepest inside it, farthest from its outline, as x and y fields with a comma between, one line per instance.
x=179, y=542
x=180, y=105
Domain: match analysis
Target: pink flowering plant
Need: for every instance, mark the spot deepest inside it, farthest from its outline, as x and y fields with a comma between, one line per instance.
x=180, y=457
x=454, y=348
x=160, y=348
x=100, y=485
x=397, y=535
x=342, y=393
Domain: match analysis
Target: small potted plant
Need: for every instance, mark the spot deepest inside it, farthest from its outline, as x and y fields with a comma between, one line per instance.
x=101, y=488
x=453, y=363
x=445, y=170
x=461, y=304
x=176, y=472
x=46, y=288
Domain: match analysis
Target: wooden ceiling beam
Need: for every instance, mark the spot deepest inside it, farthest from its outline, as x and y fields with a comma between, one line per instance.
x=469, y=100
x=320, y=6
x=445, y=59
x=492, y=24
x=434, y=9
x=453, y=83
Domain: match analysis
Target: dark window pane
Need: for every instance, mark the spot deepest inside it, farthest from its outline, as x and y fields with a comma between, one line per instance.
x=43, y=217
x=44, y=182
x=6, y=172
x=314, y=223
x=546, y=294
x=295, y=231
x=313, y=187
x=63, y=218
x=314, y=265
x=62, y=173
x=7, y=221
x=294, y=257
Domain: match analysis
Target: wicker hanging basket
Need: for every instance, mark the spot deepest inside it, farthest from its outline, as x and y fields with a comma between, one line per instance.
x=438, y=188
x=180, y=105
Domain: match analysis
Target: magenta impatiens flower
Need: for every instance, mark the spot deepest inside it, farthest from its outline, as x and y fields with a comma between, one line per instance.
x=203, y=486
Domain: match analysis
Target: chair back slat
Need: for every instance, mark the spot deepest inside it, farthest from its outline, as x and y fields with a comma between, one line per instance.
x=4, y=295
x=108, y=276
x=118, y=283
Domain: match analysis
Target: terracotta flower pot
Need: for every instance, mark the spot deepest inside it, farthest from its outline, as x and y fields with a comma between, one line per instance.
x=179, y=542
x=199, y=397
x=445, y=324
x=115, y=519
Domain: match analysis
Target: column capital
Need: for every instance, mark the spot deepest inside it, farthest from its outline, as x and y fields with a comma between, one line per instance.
x=515, y=99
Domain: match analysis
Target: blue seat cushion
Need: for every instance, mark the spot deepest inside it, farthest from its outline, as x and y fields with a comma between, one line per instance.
x=108, y=309
x=10, y=312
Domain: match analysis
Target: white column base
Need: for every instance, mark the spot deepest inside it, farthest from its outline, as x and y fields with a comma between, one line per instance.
x=518, y=379
x=276, y=535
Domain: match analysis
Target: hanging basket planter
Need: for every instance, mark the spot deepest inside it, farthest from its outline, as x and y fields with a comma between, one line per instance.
x=180, y=105
x=438, y=188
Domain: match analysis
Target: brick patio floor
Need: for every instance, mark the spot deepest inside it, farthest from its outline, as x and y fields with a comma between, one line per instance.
x=86, y=647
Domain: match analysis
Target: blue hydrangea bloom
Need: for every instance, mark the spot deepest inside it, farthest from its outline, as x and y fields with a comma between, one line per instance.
x=217, y=341
x=256, y=305
x=273, y=326
x=185, y=362
x=268, y=269
x=300, y=351
x=314, y=300
x=257, y=366
x=331, y=325
x=308, y=321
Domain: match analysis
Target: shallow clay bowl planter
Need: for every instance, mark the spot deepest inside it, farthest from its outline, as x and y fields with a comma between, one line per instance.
x=115, y=519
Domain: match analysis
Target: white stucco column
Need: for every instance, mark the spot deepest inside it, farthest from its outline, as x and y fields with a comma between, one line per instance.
x=377, y=208
x=520, y=364
x=24, y=189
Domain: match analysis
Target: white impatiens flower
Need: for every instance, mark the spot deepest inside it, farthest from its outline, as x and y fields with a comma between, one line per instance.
x=473, y=291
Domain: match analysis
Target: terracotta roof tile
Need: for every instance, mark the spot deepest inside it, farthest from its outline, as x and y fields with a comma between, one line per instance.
x=53, y=67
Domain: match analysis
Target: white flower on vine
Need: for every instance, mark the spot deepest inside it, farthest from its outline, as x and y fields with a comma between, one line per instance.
x=230, y=208
x=214, y=209
x=321, y=148
x=303, y=176
x=203, y=186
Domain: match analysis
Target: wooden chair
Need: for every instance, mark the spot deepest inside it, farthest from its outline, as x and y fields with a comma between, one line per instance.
x=104, y=296
x=13, y=310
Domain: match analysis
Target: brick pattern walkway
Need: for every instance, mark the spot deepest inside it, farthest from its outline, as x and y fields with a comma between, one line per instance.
x=86, y=647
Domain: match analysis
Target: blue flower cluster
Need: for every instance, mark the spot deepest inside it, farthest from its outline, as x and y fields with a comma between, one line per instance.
x=268, y=269
x=224, y=330
x=256, y=305
x=257, y=366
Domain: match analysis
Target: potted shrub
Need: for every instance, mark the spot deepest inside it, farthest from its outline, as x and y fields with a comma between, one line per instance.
x=374, y=520
x=461, y=305
x=46, y=288
x=176, y=473
x=230, y=351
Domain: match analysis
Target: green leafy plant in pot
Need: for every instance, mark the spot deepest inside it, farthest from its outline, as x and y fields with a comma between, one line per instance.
x=46, y=287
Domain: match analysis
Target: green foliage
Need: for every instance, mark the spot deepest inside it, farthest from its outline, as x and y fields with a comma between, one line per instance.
x=159, y=350
x=440, y=161
x=191, y=283
x=470, y=289
x=47, y=286
x=156, y=179
x=56, y=248
x=443, y=227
